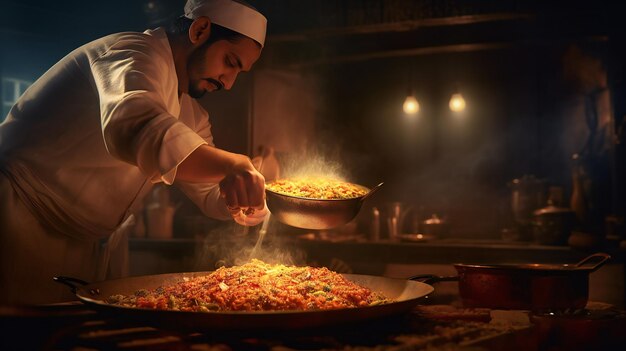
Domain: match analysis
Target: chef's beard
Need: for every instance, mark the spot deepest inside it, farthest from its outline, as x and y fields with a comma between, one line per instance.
x=197, y=93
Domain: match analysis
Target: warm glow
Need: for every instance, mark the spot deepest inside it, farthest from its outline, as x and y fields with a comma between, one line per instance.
x=411, y=106
x=457, y=103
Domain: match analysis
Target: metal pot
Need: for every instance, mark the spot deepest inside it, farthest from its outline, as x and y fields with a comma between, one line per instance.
x=527, y=195
x=536, y=287
x=552, y=225
x=435, y=226
x=309, y=213
x=405, y=293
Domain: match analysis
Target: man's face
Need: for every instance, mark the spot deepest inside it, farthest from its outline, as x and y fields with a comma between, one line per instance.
x=216, y=66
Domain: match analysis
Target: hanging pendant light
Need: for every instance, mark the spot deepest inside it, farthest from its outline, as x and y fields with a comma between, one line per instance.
x=411, y=106
x=457, y=102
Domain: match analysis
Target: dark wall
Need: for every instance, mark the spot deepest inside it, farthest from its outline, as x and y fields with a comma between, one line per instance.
x=441, y=160
x=525, y=80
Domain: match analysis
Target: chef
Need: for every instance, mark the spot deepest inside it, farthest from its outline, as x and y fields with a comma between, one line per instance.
x=89, y=139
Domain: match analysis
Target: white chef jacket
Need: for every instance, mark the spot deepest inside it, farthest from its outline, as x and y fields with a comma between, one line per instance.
x=87, y=140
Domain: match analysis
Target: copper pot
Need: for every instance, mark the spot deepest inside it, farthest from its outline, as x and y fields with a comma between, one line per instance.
x=310, y=213
x=536, y=287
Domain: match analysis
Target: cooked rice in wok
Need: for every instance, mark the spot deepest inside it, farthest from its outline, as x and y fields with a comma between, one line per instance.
x=256, y=286
x=316, y=188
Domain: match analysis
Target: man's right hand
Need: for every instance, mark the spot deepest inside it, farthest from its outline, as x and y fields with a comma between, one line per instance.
x=243, y=187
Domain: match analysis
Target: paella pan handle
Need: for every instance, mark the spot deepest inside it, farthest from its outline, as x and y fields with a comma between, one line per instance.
x=372, y=191
x=600, y=255
x=73, y=283
x=431, y=278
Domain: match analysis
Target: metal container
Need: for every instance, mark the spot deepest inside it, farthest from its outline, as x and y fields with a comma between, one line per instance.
x=527, y=195
x=436, y=227
x=310, y=213
x=552, y=225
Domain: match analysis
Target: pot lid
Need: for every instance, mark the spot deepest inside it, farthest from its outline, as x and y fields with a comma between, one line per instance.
x=550, y=209
x=434, y=220
x=588, y=264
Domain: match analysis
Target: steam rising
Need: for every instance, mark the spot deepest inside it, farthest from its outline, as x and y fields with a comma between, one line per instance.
x=231, y=245
x=313, y=164
x=236, y=245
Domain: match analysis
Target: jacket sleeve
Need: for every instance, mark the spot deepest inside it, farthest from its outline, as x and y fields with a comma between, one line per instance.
x=138, y=101
x=205, y=195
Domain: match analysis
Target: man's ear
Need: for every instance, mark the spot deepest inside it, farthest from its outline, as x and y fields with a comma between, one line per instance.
x=200, y=31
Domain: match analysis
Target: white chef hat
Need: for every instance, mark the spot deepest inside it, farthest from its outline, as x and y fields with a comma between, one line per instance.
x=230, y=14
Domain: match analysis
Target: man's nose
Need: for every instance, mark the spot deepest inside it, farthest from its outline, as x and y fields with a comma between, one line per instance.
x=229, y=80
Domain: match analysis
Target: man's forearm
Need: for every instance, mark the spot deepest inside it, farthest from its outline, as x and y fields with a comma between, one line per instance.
x=208, y=164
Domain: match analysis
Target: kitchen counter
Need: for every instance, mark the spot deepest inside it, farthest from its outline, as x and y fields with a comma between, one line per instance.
x=405, y=259
x=432, y=326
x=72, y=326
x=151, y=256
x=383, y=258
x=446, y=251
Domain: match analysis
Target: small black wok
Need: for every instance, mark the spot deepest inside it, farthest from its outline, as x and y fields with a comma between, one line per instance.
x=405, y=293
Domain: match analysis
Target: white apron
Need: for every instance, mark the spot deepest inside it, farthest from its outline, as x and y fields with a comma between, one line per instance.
x=28, y=262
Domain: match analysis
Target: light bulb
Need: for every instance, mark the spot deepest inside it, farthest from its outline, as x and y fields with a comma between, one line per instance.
x=457, y=103
x=411, y=106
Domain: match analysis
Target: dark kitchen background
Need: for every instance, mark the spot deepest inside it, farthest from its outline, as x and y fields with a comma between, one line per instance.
x=543, y=83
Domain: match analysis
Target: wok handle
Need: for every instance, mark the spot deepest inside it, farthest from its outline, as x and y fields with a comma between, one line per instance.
x=371, y=192
x=603, y=258
x=73, y=283
x=431, y=278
